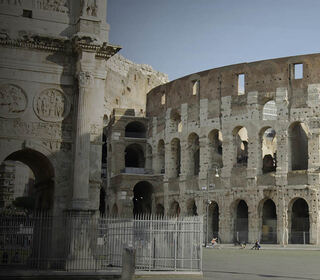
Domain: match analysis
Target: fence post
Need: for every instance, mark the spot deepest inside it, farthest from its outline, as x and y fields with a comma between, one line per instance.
x=304, y=237
x=128, y=263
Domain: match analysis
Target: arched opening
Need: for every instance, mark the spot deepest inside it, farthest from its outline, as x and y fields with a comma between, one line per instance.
x=269, y=111
x=194, y=154
x=174, y=210
x=114, y=210
x=215, y=149
x=160, y=210
x=213, y=220
x=135, y=130
x=134, y=156
x=175, y=121
x=298, y=146
x=175, y=157
x=300, y=224
x=102, y=203
x=241, y=222
x=27, y=181
x=161, y=157
x=191, y=208
x=241, y=146
x=269, y=222
x=142, y=198
x=268, y=150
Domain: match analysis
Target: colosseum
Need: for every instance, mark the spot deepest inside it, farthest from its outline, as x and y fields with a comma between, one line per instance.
x=238, y=144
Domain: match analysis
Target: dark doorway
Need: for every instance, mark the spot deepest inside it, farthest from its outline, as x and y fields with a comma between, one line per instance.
x=134, y=156
x=241, y=224
x=300, y=224
x=269, y=222
x=142, y=198
x=135, y=130
x=213, y=220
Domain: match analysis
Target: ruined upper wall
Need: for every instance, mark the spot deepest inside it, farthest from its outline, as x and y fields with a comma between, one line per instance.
x=261, y=76
x=127, y=84
x=59, y=18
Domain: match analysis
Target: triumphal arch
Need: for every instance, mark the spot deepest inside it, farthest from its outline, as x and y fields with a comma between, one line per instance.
x=52, y=90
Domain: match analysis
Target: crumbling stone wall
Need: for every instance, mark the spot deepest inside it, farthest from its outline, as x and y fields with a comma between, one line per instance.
x=219, y=105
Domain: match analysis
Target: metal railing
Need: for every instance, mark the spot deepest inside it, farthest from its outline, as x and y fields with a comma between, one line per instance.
x=86, y=243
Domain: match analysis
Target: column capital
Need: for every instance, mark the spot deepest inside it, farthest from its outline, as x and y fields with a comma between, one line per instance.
x=85, y=79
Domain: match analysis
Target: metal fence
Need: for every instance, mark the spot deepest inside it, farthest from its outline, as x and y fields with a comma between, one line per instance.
x=84, y=243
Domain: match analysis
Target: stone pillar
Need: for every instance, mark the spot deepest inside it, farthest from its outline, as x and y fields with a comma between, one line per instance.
x=253, y=160
x=282, y=158
x=313, y=157
x=228, y=154
x=80, y=196
x=253, y=224
x=282, y=220
x=314, y=218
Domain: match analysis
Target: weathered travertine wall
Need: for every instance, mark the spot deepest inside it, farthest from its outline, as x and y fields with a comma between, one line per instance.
x=218, y=147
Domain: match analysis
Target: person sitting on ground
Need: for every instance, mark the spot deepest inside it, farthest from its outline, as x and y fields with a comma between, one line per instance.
x=256, y=245
x=214, y=241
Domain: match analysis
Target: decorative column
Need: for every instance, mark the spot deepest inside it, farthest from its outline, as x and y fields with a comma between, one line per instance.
x=80, y=196
x=282, y=220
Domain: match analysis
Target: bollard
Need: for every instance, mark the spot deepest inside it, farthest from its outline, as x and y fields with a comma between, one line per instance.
x=128, y=263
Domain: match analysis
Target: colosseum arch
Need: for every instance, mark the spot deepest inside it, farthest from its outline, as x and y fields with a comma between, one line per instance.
x=160, y=210
x=193, y=151
x=215, y=149
x=268, y=221
x=213, y=220
x=269, y=111
x=267, y=150
x=135, y=129
x=134, y=156
x=191, y=207
x=240, y=144
x=40, y=196
x=240, y=220
x=174, y=209
x=142, y=198
x=161, y=157
x=175, y=158
x=299, y=221
x=175, y=121
x=298, y=146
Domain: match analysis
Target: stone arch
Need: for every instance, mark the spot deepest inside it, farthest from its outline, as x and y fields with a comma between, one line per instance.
x=268, y=221
x=191, y=207
x=193, y=150
x=174, y=209
x=267, y=150
x=240, y=143
x=114, y=210
x=298, y=146
x=161, y=156
x=175, y=121
x=299, y=221
x=135, y=129
x=142, y=198
x=44, y=174
x=269, y=111
x=134, y=156
x=215, y=148
x=241, y=220
x=175, y=157
x=213, y=220
x=160, y=210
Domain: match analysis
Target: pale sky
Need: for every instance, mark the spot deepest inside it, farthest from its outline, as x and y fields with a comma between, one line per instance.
x=180, y=37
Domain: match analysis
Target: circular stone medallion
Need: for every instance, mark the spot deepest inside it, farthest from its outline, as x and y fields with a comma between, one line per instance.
x=13, y=101
x=51, y=105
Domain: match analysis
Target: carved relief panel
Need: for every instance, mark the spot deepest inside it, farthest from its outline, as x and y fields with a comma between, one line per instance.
x=51, y=105
x=13, y=101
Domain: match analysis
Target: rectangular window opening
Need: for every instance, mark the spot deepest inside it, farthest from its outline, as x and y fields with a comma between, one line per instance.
x=298, y=71
x=163, y=99
x=241, y=85
x=195, y=87
x=27, y=13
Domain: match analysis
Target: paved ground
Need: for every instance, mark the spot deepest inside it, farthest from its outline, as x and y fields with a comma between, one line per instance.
x=263, y=264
